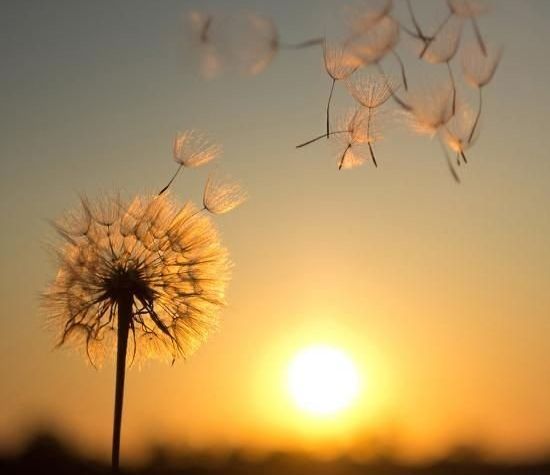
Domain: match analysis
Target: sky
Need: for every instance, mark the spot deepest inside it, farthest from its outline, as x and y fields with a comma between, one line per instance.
x=438, y=291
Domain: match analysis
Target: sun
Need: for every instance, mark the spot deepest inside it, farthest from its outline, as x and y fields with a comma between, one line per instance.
x=323, y=380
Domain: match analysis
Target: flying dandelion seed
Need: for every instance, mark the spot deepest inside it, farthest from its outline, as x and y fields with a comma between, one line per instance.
x=363, y=17
x=457, y=133
x=245, y=40
x=429, y=109
x=444, y=48
x=355, y=129
x=369, y=90
x=145, y=278
x=222, y=195
x=254, y=42
x=418, y=33
x=479, y=71
x=359, y=130
x=376, y=42
x=201, y=27
x=339, y=65
x=192, y=149
x=471, y=9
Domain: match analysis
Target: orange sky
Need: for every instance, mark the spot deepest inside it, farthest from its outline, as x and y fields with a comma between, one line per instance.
x=438, y=291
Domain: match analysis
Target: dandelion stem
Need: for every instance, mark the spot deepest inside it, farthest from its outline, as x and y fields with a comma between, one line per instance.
x=451, y=76
x=302, y=44
x=474, y=127
x=341, y=163
x=171, y=180
x=124, y=320
x=479, y=38
x=432, y=38
x=372, y=155
x=449, y=163
x=328, y=106
x=320, y=137
x=395, y=97
x=402, y=67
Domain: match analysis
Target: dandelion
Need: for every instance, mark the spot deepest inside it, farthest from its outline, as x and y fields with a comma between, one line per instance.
x=418, y=33
x=201, y=27
x=369, y=91
x=191, y=149
x=443, y=49
x=146, y=278
x=478, y=71
x=247, y=40
x=339, y=65
x=470, y=9
x=255, y=42
x=376, y=42
x=457, y=133
x=359, y=130
x=356, y=129
x=222, y=195
x=429, y=109
x=362, y=18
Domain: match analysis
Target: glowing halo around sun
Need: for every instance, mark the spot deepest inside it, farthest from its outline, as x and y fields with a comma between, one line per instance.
x=323, y=380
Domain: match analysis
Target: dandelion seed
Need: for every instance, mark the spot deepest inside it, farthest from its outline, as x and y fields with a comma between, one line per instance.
x=444, y=48
x=362, y=18
x=192, y=149
x=430, y=109
x=360, y=130
x=470, y=9
x=201, y=25
x=339, y=65
x=370, y=91
x=222, y=195
x=376, y=42
x=457, y=134
x=256, y=42
x=418, y=34
x=479, y=71
x=145, y=278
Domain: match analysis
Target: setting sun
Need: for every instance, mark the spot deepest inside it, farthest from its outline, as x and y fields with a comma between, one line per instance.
x=323, y=380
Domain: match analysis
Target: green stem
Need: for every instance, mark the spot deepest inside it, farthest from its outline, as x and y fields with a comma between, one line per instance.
x=124, y=319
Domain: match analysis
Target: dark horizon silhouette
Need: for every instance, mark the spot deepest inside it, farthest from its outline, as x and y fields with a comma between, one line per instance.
x=44, y=449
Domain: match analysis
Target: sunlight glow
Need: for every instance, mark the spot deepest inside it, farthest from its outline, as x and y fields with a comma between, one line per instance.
x=323, y=380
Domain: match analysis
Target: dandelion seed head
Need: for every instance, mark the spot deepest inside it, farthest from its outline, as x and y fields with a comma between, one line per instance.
x=202, y=27
x=445, y=45
x=370, y=91
x=193, y=149
x=340, y=63
x=376, y=42
x=456, y=133
x=360, y=128
x=430, y=109
x=366, y=14
x=222, y=195
x=167, y=260
x=259, y=45
x=478, y=68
